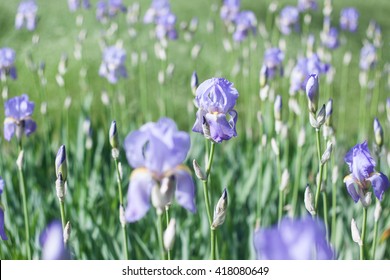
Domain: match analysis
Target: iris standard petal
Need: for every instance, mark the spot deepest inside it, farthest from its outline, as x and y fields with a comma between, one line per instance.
x=2, y=227
x=363, y=164
x=135, y=144
x=185, y=189
x=138, y=195
x=350, y=185
x=380, y=183
x=220, y=128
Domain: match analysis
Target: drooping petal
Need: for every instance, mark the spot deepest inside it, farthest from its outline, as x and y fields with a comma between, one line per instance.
x=199, y=120
x=380, y=183
x=138, y=195
x=2, y=227
x=350, y=185
x=220, y=129
x=185, y=189
x=9, y=130
x=29, y=127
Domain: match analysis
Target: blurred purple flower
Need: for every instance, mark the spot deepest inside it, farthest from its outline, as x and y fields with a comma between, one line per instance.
x=2, y=227
x=18, y=111
x=7, y=63
x=273, y=59
x=26, y=15
x=215, y=100
x=304, y=5
x=245, y=21
x=288, y=19
x=388, y=108
x=349, y=19
x=330, y=39
x=363, y=174
x=157, y=9
x=156, y=152
x=74, y=5
x=299, y=239
x=109, y=9
x=52, y=242
x=165, y=26
x=303, y=69
x=368, y=57
x=113, y=64
x=229, y=10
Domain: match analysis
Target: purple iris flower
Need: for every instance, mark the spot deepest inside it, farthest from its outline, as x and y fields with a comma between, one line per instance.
x=273, y=59
x=52, y=242
x=363, y=174
x=215, y=100
x=18, y=111
x=74, y=5
x=304, y=5
x=230, y=10
x=115, y=7
x=330, y=39
x=26, y=15
x=113, y=64
x=245, y=21
x=109, y=9
x=303, y=69
x=156, y=152
x=2, y=227
x=288, y=19
x=349, y=19
x=7, y=63
x=165, y=26
x=368, y=57
x=157, y=8
x=300, y=239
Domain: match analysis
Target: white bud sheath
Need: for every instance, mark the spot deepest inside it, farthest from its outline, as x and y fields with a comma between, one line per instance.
x=284, y=180
x=169, y=235
x=274, y=147
x=335, y=174
x=220, y=211
x=301, y=137
x=326, y=155
x=122, y=217
x=355, y=233
x=19, y=161
x=67, y=231
x=309, y=205
x=378, y=211
x=198, y=171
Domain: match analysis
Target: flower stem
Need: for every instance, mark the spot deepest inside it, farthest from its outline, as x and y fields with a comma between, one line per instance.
x=318, y=190
x=363, y=235
x=25, y=212
x=213, y=241
x=124, y=230
x=167, y=221
x=160, y=235
x=281, y=193
x=373, y=249
x=325, y=199
x=296, y=180
x=334, y=207
x=62, y=209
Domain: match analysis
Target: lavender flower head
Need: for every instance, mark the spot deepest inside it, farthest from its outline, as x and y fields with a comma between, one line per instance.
x=300, y=239
x=157, y=9
x=304, y=5
x=7, y=63
x=52, y=242
x=215, y=100
x=156, y=152
x=330, y=38
x=26, y=15
x=289, y=19
x=349, y=19
x=363, y=175
x=229, y=10
x=165, y=26
x=2, y=227
x=273, y=59
x=113, y=64
x=18, y=111
x=245, y=21
x=74, y=5
x=368, y=57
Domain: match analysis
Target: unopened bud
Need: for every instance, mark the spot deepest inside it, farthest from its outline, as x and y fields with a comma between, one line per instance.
x=122, y=218
x=378, y=132
x=198, y=171
x=377, y=211
x=162, y=195
x=278, y=108
x=329, y=112
x=312, y=93
x=284, y=180
x=263, y=76
x=19, y=161
x=206, y=128
x=169, y=235
x=60, y=188
x=194, y=82
x=113, y=135
x=326, y=156
x=61, y=165
x=309, y=205
x=274, y=147
x=355, y=233
x=67, y=231
x=366, y=200
x=220, y=210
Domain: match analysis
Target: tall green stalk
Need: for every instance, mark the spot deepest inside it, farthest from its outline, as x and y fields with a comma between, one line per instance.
x=363, y=235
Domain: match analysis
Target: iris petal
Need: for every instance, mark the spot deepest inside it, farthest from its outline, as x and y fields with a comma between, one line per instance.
x=380, y=183
x=185, y=189
x=350, y=184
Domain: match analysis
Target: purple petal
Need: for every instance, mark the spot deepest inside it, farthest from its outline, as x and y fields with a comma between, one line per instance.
x=138, y=195
x=185, y=189
x=220, y=128
x=350, y=184
x=29, y=127
x=1, y=185
x=380, y=183
x=2, y=227
x=135, y=144
x=363, y=164
x=52, y=241
x=9, y=130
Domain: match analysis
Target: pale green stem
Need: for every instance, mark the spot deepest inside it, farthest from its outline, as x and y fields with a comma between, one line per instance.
x=160, y=235
x=363, y=236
